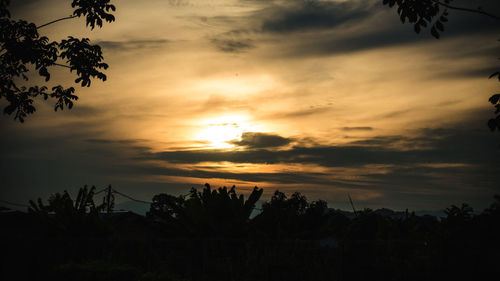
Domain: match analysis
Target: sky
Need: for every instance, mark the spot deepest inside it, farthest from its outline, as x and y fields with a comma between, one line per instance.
x=328, y=98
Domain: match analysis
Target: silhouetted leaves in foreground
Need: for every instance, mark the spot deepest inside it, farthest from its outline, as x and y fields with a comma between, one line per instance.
x=23, y=48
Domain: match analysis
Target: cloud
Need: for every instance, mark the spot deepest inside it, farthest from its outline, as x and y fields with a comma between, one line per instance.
x=474, y=72
x=253, y=140
x=133, y=44
x=179, y=3
x=307, y=15
x=233, y=45
x=329, y=156
x=19, y=4
x=300, y=113
x=357, y=129
x=459, y=162
x=111, y=142
x=432, y=146
x=320, y=28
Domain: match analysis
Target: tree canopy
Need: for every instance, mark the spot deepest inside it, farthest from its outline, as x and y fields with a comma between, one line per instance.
x=24, y=50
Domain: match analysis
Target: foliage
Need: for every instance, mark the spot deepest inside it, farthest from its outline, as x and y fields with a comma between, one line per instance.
x=295, y=217
x=291, y=239
x=281, y=216
x=494, y=209
x=95, y=11
x=63, y=204
x=166, y=207
x=494, y=123
x=209, y=212
x=76, y=218
x=23, y=49
x=421, y=13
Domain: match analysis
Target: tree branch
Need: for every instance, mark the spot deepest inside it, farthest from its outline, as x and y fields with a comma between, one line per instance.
x=54, y=21
x=62, y=65
x=467, y=10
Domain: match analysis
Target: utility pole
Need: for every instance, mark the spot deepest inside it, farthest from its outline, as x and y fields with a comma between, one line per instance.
x=352, y=205
x=108, y=200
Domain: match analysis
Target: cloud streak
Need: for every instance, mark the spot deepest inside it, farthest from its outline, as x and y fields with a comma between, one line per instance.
x=314, y=15
x=133, y=44
x=252, y=140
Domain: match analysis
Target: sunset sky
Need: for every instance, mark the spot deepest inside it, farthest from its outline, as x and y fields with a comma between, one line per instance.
x=325, y=97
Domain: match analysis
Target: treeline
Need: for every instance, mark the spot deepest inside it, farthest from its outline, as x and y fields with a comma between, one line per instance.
x=212, y=235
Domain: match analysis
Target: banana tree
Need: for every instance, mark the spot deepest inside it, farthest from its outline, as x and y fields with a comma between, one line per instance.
x=65, y=216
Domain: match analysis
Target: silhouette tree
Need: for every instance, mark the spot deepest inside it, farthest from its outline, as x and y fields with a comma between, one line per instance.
x=67, y=217
x=281, y=216
x=166, y=207
x=295, y=217
x=434, y=14
x=494, y=208
x=460, y=246
x=22, y=48
x=458, y=221
x=206, y=213
x=488, y=220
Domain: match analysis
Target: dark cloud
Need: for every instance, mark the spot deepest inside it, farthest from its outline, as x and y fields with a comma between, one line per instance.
x=106, y=141
x=233, y=45
x=307, y=15
x=277, y=177
x=434, y=146
x=301, y=113
x=480, y=72
x=396, y=114
x=133, y=44
x=15, y=5
x=348, y=43
x=357, y=129
x=84, y=110
x=253, y=140
x=331, y=156
x=320, y=28
x=398, y=141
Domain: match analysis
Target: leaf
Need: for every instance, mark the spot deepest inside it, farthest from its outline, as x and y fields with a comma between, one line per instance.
x=417, y=28
x=439, y=26
x=495, y=74
x=495, y=98
x=434, y=32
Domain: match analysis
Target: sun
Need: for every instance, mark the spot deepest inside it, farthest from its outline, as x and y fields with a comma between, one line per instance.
x=220, y=135
x=220, y=132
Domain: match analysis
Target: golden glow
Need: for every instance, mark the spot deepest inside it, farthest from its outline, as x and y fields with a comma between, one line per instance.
x=220, y=135
x=219, y=132
x=235, y=85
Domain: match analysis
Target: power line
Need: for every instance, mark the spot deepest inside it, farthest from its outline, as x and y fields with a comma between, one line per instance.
x=352, y=204
x=14, y=204
x=133, y=199
x=102, y=190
